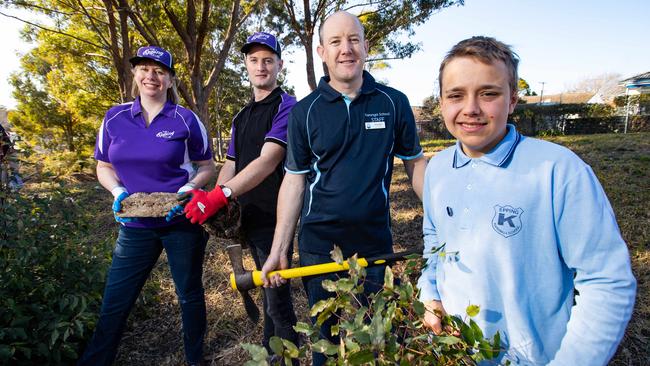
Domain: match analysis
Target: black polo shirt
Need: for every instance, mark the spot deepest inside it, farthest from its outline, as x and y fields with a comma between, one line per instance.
x=346, y=152
x=255, y=124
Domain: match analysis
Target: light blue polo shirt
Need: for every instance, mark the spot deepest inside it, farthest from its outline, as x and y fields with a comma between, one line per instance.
x=517, y=225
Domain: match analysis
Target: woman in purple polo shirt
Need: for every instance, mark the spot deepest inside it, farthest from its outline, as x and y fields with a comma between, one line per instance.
x=152, y=145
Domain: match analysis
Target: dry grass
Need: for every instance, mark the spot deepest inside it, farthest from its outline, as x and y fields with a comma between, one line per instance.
x=621, y=162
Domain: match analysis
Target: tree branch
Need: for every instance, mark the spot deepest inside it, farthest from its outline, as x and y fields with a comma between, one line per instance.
x=44, y=9
x=225, y=48
x=147, y=33
x=52, y=30
x=92, y=22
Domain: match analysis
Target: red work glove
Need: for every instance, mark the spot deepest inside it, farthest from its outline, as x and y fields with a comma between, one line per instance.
x=204, y=204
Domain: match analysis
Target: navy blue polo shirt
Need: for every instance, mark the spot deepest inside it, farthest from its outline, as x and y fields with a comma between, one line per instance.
x=346, y=152
x=257, y=123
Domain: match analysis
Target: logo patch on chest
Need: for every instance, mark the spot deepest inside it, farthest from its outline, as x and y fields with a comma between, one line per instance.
x=375, y=121
x=165, y=134
x=507, y=220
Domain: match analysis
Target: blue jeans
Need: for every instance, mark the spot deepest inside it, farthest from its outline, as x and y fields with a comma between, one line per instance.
x=374, y=282
x=135, y=254
x=279, y=316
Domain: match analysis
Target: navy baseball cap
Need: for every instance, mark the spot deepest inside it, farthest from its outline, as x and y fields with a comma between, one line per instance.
x=264, y=39
x=154, y=53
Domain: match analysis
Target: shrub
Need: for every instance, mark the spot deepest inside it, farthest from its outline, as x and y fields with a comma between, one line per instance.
x=389, y=331
x=52, y=269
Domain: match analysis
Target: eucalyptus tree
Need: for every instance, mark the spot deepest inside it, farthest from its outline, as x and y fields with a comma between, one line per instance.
x=385, y=22
x=200, y=34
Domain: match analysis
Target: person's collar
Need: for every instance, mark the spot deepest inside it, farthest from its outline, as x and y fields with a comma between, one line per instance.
x=270, y=97
x=498, y=156
x=330, y=94
x=168, y=110
x=136, y=107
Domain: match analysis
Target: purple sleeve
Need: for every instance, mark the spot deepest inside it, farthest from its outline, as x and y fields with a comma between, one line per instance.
x=102, y=143
x=278, y=131
x=198, y=144
x=230, y=154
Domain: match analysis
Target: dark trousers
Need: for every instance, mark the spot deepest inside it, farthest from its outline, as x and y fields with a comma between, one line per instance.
x=374, y=282
x=135, y=254
x=279, y=316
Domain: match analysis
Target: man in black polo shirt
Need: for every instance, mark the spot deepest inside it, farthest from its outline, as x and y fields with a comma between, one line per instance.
x=342, y=141
x=253, y=173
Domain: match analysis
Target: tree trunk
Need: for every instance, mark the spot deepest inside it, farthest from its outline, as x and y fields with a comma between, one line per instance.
x=203, y=110
x=309, y=51
x=69, y=131
x=120, y=49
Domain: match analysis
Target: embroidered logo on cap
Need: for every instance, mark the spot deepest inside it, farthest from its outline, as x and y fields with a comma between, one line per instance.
x=257, y=36
x=153, y=52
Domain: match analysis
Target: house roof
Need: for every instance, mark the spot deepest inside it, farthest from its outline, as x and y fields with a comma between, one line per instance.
x=418, y=112
x=562, y=98
x=641, y=80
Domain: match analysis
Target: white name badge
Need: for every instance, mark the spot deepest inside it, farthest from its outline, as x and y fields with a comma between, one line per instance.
x=375, y=125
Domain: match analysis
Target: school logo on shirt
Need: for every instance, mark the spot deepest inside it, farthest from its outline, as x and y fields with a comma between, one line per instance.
x=165, y=134
x=507, y=220
x=375, y=121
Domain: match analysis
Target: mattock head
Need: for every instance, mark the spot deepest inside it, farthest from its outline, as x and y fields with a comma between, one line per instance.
x=237, y=262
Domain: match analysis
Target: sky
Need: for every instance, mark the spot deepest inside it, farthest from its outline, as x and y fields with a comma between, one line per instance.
x=559, y=42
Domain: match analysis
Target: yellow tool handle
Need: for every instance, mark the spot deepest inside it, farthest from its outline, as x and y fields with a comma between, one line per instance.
x=316, y=269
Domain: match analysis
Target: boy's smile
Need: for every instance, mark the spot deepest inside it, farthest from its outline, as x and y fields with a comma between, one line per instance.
x=476, y=100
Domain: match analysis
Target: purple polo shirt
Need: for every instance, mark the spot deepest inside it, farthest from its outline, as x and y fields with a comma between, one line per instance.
x=157, y=158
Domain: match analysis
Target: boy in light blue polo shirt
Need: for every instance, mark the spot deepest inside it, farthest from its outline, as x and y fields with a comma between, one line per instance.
x=520, y=223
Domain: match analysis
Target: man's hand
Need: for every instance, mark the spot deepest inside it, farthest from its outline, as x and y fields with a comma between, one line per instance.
x=274, y=261
x=433, y=315
x=204, y=204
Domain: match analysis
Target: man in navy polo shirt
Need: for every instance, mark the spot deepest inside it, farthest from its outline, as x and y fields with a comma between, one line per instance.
x=253, y=173
x=342, y=141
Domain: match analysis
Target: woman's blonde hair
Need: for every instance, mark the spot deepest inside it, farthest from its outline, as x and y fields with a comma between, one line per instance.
x=172, y=92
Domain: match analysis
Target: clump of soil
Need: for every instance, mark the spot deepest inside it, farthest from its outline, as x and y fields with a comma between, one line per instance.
x=224, y=224
x=155, y=204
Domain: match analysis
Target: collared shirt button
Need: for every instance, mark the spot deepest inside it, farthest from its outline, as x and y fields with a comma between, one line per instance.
x=469, y=187
x=466, y=209
x=474, y=165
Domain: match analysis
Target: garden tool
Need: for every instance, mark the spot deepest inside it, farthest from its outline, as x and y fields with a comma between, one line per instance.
x=243, y=280
x=235, y=255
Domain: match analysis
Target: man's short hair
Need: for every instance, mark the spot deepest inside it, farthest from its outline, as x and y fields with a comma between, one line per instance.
x=322, y=25
x=487, y=50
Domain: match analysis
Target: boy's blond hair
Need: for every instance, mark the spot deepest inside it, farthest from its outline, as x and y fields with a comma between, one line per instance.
x=486, y=50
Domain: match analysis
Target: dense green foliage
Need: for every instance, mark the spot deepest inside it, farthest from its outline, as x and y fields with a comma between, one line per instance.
x=389, y=330
x=79, y=68
x=52, y=275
